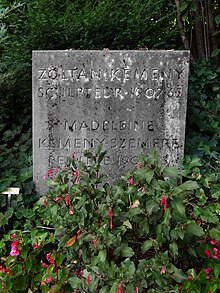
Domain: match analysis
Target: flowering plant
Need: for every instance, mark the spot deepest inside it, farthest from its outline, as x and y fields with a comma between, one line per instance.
x=86, y=236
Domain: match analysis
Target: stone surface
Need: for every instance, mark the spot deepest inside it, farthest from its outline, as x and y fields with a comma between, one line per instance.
x=126, y=100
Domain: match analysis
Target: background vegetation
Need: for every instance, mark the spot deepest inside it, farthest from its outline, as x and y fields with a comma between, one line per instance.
x=96, y=24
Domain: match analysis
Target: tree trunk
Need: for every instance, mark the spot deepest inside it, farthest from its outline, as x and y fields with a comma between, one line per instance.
x=181, y=29
x=199, y=31
x=212, y=28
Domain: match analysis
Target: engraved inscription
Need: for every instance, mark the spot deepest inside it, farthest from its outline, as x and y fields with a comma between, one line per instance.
x=124, y=74
x=113, y=143
x=128, y=101
x=107, y=125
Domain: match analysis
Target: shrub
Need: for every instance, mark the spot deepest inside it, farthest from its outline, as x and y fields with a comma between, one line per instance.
x=145, y=233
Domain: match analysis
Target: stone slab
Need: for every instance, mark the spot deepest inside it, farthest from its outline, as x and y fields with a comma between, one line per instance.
x=126, y=100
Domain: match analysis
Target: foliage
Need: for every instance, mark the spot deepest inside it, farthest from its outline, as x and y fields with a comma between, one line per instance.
x=145, y=233
x=203, y=124
x=198, y=22
x=150, y=244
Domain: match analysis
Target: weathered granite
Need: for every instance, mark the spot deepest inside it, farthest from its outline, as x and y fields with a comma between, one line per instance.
x=127, y=100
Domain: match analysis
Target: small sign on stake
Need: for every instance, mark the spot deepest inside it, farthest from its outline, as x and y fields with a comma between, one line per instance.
x=9, y=192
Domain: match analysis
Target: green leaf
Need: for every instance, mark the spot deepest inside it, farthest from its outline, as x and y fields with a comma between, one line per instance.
x=127, y=224
x=146, y=245
x=62, y=273
x=45, y=289
x=167, y=217
x=127, y=251
x=151, y=206
x=189, y=185
x=55, y=289
x=181, y=233
x=9, y=213
x=217, y=270
x=183, y=6
x=149, y=175
x=178, y=276
x=63, y=240
x=20, y=283
x=102, y=255
x=195, y=162
x=16, y=269
x=215, y=52
x=215, y=234
x=104, y=289
x=74, y=282
x=195, y=229
x=174, y=249
x=88, y=154
x=24, y=252
x=217, y=19
x=179, y=208
x=59, y=258
x=37, y=278
x=172, y=172
x=101, y=156
x=216, y=194
x=99, y=149
x=28, y=265
x=114, y=288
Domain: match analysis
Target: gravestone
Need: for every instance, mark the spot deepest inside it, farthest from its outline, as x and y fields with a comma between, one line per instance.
x=128, y=101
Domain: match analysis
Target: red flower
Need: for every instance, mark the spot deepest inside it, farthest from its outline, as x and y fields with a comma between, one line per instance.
x=71, y=212
x=15, y=243
x=88, y=280
x=13, y=235
x=50, y=259
x=136, y=290
x=14, y=249
x=207, y=253
x=190, y=278
x=67, y=200
x=207, y=277
x=130, y=181
x=119, y=289
x=48, y=174
x=78, y=233
x=95, y=243
x=49, y=279
x=215, y=250
x=164, y=202
x=212, y=241
x=36, y=246
x=79, y=275
x=77, y=173
x=58, y=198
x=163, y=270
x=207, y=271
x=110, y=213
x=45, y=202
x=45, y=265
